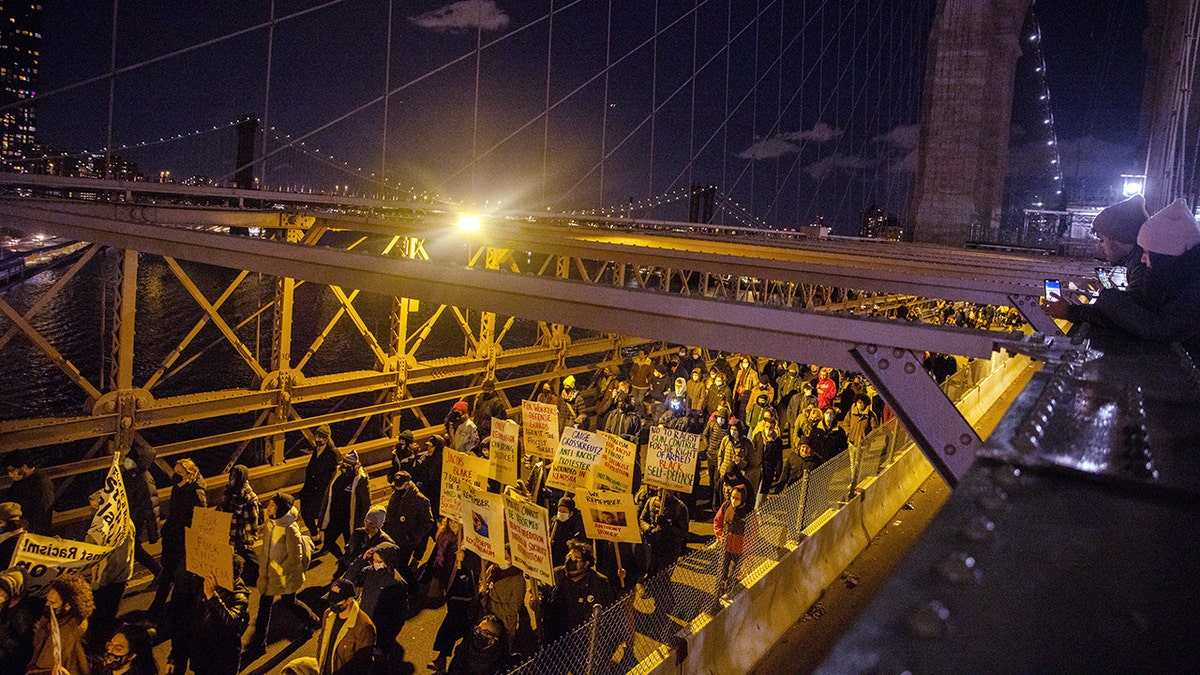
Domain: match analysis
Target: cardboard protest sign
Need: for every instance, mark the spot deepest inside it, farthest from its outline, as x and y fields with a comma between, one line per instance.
x=539, y=426
x=482, y=515
x=44, y=559
x=578, y=451
x=611, y=516
x=208, y=548
x=671, y=459
x=529, y=537
x=459, y=471
x=111, y=524
x=614, y=471
x=502, y=452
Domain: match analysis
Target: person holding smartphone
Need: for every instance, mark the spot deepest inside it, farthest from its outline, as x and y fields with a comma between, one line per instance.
x=1116, y=228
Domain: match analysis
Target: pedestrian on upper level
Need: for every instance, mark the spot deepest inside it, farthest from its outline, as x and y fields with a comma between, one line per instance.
x=32, y=489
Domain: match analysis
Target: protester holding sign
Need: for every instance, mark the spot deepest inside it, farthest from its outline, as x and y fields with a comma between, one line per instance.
x=187, y=494
x=68, y=606
x=576, y=588
x=211, y=642
x=111, y=576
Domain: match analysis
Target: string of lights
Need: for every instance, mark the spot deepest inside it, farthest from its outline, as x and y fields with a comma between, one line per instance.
x=1039, y=61
x=126, y=147
x=326, y=158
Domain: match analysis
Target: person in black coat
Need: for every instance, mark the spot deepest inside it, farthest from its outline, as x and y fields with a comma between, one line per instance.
x=142, y=493
x=322, y=464
x=32, y=489
x=211, y=644
x=567, y=526
x=187, y=494
x=409, y=522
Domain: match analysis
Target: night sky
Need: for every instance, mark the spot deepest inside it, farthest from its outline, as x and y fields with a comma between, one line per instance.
x=828, y=130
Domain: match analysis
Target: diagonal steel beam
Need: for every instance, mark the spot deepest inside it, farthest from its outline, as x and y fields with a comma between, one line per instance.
x=197, y=295
x=63, y=363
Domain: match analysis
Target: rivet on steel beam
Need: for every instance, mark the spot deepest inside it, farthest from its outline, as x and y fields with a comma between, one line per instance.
x=126, y=422
x=910, y=368
x=957, y=568
x=950, y=449
x=871, y=349
x=965, y=439
x=884, y=364
x=979, y=529
x=897, y=352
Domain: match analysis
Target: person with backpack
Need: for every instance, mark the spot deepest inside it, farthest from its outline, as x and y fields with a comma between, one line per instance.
x=283, y=560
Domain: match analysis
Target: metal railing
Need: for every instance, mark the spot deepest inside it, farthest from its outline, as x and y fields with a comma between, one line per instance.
x=656, y=614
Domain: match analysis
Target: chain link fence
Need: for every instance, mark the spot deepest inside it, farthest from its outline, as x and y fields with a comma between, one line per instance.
x=656, y=613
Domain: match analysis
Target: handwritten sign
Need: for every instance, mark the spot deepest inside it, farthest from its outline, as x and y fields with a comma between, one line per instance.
x=614, y=471
x=578, y=451
x=611, y=516
x=207, y=545
x=44, y=559
x=671, y=459
x=111, y=523
x=460, y=471
x=529, y=537
x=502, y=452
x=539, y=425
x=482, y=515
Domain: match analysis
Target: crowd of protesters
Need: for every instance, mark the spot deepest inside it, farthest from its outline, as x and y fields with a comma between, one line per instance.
x=762, y=423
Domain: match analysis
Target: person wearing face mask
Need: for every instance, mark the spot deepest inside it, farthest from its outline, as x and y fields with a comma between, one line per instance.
x=545, y=394
x=566, y=527
x=676, y=407
x=241, y=503
x=346, y=641
x=409, y=522
x=385, y=598
x=70, y=599
x=718, y=394
x=715, y=431
x=281, y=570
x=322, y=464
x=577, y=586
x=130, y=651
x=735, y=448
x=364, y=538
x=455, y=571
x=109, y=577
x=211, y=644
x=730, y=528
x=142, y=493
x=187, y=494
x=827, y=438
x=696, y=390
x=426, y=471
x=485, y=653
x=745, y=385
x=346, y=502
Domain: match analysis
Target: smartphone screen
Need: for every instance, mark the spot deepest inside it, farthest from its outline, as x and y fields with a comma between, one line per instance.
x=1102, y=274
x=1119, y=278
x=1053, y=290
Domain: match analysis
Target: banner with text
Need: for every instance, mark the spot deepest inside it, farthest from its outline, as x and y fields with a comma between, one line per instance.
x=111, y=524
x=671, y=459
x=502, y=452
x=578, y=451
x=460, y=471
x=44, y=559
x=207, y=545
x=482, y=516
x=529, y=537
x=539, y=426
x=611, y=516
x=614, y=471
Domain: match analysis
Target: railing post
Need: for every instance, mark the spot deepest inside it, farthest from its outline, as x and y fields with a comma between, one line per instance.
x=593, y=639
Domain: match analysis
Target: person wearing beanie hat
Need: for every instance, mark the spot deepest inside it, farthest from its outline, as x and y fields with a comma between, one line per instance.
x=364, y=538
x=385, y=595
x=1169, y=309
x=461, y=428
x=567, y=526
x=1116, y=229
x=281, y=571
x=410, y=522
x=346, y=641
x=322, y=464
x=345, y=504
x=426, y=471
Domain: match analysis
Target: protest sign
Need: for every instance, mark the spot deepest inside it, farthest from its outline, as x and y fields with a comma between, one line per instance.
x=671, y=459
x=611, y=516
x=539, y=425
x=44, y=559
x=460, y=470
x=578, y=451
x=111, y=523
x=482, y=515
x=207, y=545
x=529, y=537
x=614, y=471
x=502, y=452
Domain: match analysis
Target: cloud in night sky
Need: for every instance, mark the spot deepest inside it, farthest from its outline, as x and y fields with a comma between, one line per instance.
x=839, y=162
x=789, y=142
x=463, y=15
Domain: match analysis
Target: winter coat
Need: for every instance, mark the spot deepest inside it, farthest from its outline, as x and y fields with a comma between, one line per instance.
x=317, y=476
x=359, y=498
x=142, y=493
x=730, y=526
x=280, y=558
x=213, y=641
x=409, y=520
x=712, y=435
x=70, y=631
x=353, y=644
x=734, y=452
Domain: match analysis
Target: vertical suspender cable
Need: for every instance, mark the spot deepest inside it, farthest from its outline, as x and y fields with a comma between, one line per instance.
x=546, y=107
x=691, y=156
x=387, y=85
x=604, y=112
x=266, y=125
x=112, y=90
x=475, y=113
x=725, y=119
x=653, y=99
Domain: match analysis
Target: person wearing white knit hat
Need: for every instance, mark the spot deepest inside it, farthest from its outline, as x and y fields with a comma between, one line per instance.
x=1169, y=311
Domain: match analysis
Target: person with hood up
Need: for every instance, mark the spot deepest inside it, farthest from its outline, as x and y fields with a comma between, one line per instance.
x=322, y=464
x=567, y=526
x=385, y=598
x=18, y=614
x=281, y=568
x=241, y=503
